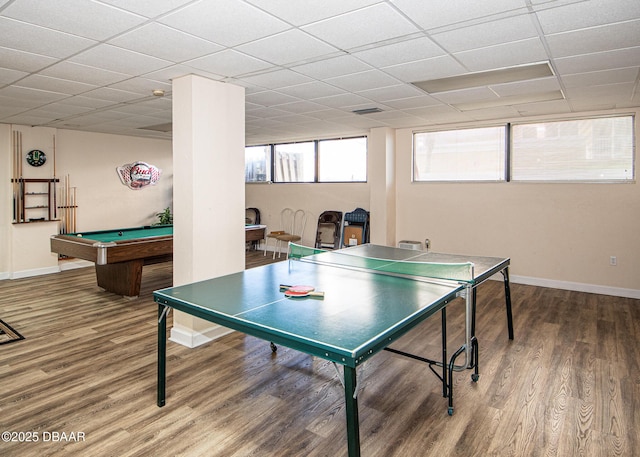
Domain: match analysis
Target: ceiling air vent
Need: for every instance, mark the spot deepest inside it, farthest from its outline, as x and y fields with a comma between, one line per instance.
x=168, y=127
x=367, y=111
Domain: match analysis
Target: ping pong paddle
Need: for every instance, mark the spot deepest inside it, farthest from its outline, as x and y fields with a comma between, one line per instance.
x=300, y=291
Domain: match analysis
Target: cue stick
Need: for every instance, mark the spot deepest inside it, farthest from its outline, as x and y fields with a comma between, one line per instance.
x=16, y=173
x=55, y=202
x=13, y=171
x=62, y=205
x=68, y=206
x=22, y=189
x=75, y=208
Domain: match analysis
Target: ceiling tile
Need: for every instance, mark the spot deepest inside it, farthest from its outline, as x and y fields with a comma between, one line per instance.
x=28, y=118
x=312, y=11
x=527, y=87
x=370, y=79
x=487, y=34
x=504, y=55
x=422, y=70
x=441, y=13
x=24, y=61
x=120, y=60
x=302, y=107
x=77, y=17
x=270, y=98
x=228, y=23
x=8, y=76
x=142, y=86
x=412, y=102
x=86, y=102
x=63, y=86
x=311, y=90
x=40, y=40
x=595, y=39
x=466, y=95
x=160, y=41
x=335, y=66
x=401, y=52
x=619, y=58
x=148, y=8
x=599, y=78
x=551, y=107
x=578, y=15
x=174, y=71
x=390, y=92
x=35, y=96
x=229, y=63
x=277, y=79
x=288, y=47
x=113, y=95
x=369, y=25
x=83, y=73
x=340, y=101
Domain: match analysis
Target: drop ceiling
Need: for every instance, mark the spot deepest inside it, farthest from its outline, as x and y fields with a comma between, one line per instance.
x=308, y=65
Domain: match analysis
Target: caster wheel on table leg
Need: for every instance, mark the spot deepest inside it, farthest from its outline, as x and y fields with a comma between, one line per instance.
x=450, y=411
x=274, y=348
x=475, y=377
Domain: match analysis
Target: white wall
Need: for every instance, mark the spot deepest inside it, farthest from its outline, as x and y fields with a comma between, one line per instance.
x=561, y=235
x=90, y=159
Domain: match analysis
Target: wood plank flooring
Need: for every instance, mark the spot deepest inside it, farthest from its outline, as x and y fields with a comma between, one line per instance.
x=568, y=385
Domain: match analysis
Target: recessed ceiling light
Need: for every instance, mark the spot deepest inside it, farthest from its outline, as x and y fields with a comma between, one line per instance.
x=158, y=92
x=486, y=78
x=367, y=111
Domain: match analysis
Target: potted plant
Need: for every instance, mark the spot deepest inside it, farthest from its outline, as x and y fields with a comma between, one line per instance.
x=165, y=217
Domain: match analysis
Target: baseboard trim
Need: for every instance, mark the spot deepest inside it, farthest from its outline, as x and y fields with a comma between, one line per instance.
x=74, y=264
x=191, y=339
x=576, y=286
x=34, y=272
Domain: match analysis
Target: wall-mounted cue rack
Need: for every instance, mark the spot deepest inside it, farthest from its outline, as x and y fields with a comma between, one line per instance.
x=33, y=200
x=36, y=199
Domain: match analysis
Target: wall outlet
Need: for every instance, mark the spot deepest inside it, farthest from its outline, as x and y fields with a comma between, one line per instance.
x=613, y=261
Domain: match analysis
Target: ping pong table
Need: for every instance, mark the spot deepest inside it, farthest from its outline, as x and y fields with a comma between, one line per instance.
x=372, y=296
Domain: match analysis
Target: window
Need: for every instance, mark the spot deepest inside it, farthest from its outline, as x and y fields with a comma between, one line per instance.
x=337, y=160
x=343, y=160
x=578, y=150
x=460, y=155
x=257, y=163
x=295, y=162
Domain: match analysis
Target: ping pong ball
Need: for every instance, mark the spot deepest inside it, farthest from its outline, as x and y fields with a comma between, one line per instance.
x=79, y=235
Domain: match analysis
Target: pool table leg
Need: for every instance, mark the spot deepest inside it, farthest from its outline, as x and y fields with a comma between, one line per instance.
x=122, y=278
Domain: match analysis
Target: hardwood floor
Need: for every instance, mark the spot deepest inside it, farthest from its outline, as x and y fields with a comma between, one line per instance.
x=568, y=385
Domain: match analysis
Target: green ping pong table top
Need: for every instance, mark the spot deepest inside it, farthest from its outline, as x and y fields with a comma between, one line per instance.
x=361, y=312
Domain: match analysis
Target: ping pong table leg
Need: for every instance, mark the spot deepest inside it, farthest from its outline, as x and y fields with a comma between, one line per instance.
x=445, y=383
x=351, y=408
x=507, y=297
x=162, y=353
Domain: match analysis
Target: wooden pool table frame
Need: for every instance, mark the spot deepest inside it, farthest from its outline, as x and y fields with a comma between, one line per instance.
x=118, y=264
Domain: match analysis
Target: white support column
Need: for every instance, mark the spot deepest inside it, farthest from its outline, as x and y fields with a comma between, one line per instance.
x=381, y=177
x=208, y=191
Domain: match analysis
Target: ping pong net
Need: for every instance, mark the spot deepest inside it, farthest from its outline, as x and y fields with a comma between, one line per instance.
x=426, y=271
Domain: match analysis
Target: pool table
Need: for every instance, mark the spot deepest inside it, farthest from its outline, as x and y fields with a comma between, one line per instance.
x=119, y=254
